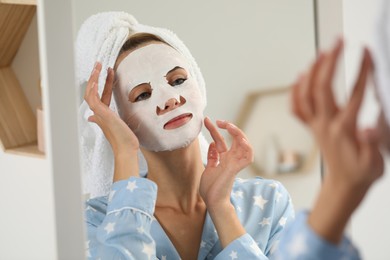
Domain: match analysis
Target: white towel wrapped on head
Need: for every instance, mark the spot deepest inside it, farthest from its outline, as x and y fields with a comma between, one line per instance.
x=100, y=38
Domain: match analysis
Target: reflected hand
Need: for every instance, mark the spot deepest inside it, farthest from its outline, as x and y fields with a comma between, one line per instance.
x=123, y=141
x=352, y=156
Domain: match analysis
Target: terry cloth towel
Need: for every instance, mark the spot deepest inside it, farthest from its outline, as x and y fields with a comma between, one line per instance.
x=100, y=38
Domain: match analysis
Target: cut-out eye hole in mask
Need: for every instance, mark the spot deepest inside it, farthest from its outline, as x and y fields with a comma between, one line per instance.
x=158, y=98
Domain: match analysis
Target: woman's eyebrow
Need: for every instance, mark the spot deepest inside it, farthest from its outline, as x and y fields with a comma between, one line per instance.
x=138, y=85
x=131, y=89
x=175, y=68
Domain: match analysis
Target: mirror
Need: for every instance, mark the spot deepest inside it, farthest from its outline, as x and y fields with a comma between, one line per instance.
x=242, y=49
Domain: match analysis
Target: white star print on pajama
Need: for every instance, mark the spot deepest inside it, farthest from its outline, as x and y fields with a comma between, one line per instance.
x=148, y=249
x=122, y=226
x=131, y=186
x=109, y=227
x=233, y=255
x=265, y=221
x=238, y=194
x=140, y=230
x=283, y=221
x=259, y=201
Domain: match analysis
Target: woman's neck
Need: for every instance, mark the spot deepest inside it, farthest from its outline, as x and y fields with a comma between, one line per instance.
x=177, y=174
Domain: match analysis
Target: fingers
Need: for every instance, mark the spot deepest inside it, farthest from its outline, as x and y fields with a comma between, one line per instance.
x=370, y=136
x=212, y=156
x=240, y=146
x=91, y=95
x=95, y=73
x=295, y=100
x=107, y=91
x=312, y=94
x=216, y=135
x=370, y=156
x=303, y=104
x=323, y=93
x=305, y=92
x=352, y=109
x=233, y=130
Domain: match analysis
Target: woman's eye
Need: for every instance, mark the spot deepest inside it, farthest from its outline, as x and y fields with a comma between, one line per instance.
x=140, y=92
x=143, y=96
x=177, y=82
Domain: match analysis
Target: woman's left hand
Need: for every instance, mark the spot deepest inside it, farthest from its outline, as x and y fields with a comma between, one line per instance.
x=217, y=180
x=223, y=164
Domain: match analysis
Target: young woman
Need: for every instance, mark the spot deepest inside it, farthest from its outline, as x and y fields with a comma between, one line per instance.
x=182, y=209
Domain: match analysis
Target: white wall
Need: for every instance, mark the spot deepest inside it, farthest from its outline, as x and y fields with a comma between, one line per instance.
x=27, y=212
x=370, y=225
x=27, y=219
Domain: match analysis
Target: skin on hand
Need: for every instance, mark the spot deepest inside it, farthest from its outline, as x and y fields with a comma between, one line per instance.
x=217, y=180
x=352, y=157
x=123, y=141
x=383, y=131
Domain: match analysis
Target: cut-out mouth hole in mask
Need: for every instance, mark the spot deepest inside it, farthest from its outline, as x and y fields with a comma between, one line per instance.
x=178, y=121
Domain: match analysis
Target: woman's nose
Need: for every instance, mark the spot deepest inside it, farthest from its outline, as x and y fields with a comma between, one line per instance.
x=170, y=105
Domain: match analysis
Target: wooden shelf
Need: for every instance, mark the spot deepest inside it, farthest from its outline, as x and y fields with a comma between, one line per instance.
x=14, y=22
x=27, y=150
x=19, y=2
x=17, y=121
x=18, y=126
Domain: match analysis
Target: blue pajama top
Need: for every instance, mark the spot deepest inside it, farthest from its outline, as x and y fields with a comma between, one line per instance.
x=122, y=226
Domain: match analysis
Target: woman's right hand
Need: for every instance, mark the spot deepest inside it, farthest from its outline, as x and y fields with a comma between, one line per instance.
x=123, y=141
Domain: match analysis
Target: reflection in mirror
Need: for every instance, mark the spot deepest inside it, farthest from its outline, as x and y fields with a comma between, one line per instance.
x=278, y=152
x=160, y=96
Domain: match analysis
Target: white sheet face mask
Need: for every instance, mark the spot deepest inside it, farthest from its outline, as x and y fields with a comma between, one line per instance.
x=158, y=98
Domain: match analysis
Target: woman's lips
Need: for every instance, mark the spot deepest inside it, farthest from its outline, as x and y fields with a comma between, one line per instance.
x=178, y=121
